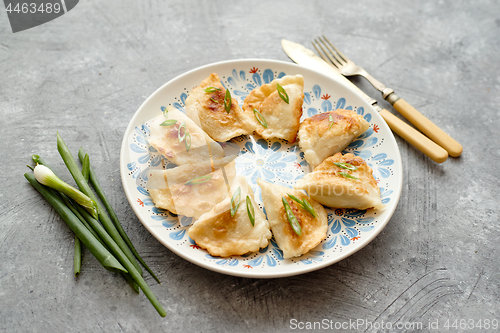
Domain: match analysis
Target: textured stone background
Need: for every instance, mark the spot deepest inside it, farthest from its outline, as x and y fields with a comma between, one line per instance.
x=85, y=74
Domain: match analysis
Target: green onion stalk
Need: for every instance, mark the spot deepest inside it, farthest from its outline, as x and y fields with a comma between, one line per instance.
x=72, y=207
x=86, y=167
x=124, y=260
x=75, y=211
x=77, y=258
x=85, y=188
x=100, y=193
x=106, y=259
x=85, y=236
x=77, y=261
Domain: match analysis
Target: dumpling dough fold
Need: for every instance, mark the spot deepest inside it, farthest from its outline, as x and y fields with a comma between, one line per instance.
x=332, y=185
x=167, y=139
x=223, y=235
x=313, y=229
x=282, y=119
x=328, y=133
x=192, y=189
x=206, y=108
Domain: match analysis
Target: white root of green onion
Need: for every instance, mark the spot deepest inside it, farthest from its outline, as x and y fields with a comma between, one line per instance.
x=46, y=177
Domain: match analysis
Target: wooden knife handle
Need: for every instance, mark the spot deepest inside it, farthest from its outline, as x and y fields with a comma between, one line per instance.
x=428, y=127
x=414, y=137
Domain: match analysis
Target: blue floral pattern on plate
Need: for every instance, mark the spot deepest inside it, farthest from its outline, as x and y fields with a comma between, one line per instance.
x=277, y=161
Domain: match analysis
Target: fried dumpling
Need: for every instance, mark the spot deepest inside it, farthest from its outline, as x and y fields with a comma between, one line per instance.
x=180, y=140
x=281, y=119
x=328, y=133
x=313, y=228
x=192, y=189
x=343, y=181
x=205, y=106
x=224, y=235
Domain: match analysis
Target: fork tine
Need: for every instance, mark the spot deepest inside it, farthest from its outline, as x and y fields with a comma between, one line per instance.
x=322, y=55
x=326, y=56
x=339, y=59
x=341, y=55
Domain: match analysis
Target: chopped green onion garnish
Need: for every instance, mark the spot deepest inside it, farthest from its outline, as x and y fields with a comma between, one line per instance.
x=214, y=100
x=346, y=175
x=330, y=118
x=46, y=177
x=294, y=198
x=307, y=206
x=180, y=136
x=187, y=141
x=236, y=198
x=282, y=93
x=198, y=180
x=164, y=110
x=294, y=223
x=211, y=89
x=250, y=211
x=169, y=122
x=304, y=204
x=347, y=166
x=260, y=118
x=227, y=101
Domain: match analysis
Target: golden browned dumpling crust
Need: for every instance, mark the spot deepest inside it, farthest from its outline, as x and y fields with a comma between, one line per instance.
x=313, y=228
x=335, y=186
x=282, y=119
x=207, y=110
x=327, y=133
x=224, y=235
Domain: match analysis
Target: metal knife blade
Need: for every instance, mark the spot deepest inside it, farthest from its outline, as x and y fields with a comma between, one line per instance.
x=307, y=58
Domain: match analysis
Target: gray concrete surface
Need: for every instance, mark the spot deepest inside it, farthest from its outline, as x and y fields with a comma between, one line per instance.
x=85, y=74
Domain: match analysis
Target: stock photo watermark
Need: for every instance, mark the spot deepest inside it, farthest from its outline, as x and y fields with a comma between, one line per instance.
x=451, y=325
x=31, y=13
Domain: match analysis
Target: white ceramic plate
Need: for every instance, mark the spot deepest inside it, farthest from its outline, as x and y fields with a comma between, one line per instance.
x=275, y=160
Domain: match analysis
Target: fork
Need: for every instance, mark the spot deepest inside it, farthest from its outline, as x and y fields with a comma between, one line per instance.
x=347, y=67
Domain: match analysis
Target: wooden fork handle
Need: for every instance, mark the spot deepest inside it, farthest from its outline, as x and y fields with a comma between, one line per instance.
x=426, y=126
x=414, y=137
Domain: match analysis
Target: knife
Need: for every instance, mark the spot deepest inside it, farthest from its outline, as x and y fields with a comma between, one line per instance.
x=308, y=58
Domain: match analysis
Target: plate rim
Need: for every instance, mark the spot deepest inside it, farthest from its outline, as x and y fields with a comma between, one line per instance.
x=250, y=274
